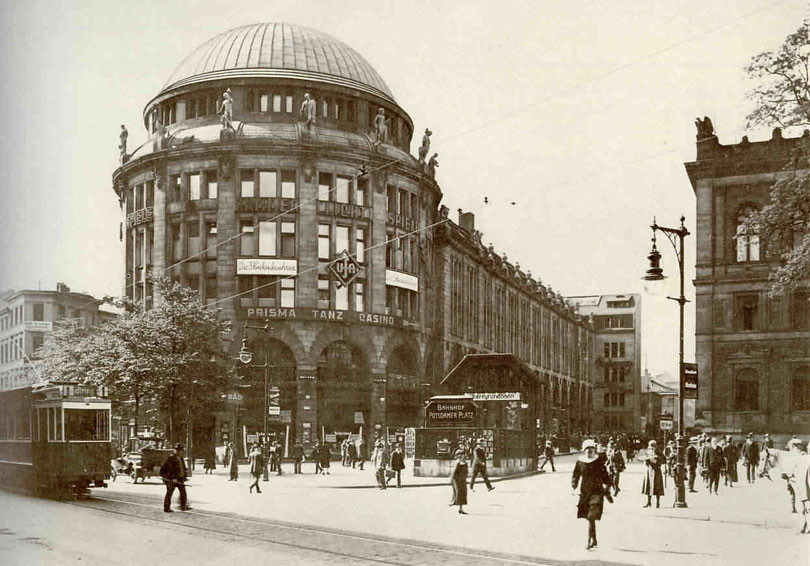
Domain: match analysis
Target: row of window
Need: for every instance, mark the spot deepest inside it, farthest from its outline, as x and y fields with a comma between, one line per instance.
x=615, y=374
x=13, y=318
x=140, y=196
x=624, y=321
x=746, y=390
x=614, y=399
x=747, y=315
x=12, y=348
x=614, y=350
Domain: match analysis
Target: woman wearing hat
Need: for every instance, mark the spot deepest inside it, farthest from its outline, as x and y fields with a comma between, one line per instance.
x=595, y=483
x=233, y=462
x=256, y=466
x=654, y=479
x=458, y=479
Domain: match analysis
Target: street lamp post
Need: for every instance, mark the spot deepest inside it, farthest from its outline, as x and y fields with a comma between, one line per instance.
x=246, y=356
x=655, y=273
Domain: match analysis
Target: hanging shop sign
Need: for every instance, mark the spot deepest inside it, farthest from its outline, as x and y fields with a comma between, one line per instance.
x=403, y=280
x=344, y=268
x=283, y=417
x=38, y=326
x=266, y=266
x=496, y=396
x=689, y=377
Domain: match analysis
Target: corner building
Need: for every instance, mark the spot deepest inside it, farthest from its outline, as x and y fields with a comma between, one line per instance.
x=253, y=216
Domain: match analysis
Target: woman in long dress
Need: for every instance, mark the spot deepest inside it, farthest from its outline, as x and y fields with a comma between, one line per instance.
x=653, y=479
x=458, y=479
x=593, y=487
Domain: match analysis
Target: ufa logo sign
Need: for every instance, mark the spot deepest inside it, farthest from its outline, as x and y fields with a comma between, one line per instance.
x=345, y=269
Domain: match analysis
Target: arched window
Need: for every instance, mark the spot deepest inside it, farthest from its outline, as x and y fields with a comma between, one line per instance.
x=746, y=390
x=747, y=243
x=340, y=363
x=800, y=400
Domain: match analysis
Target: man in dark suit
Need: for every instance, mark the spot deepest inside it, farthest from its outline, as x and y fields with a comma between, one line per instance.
x=173, y=473
x=398, y=463
x=750, y=455
x=480, y=465
x=691, y=462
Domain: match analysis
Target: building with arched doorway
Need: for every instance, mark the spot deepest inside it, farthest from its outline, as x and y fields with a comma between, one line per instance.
x=277, y=179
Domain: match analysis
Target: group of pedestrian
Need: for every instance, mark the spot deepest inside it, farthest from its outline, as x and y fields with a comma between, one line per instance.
x=388, y=464
x=460, y=471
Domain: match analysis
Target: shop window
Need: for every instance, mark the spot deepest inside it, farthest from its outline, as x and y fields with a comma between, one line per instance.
x=194, y=186
x=247, y=185
x=324, y=241
x=342, y=189
x=360, y=192
x=288, y=239
x=288, y=183
x=747, y=243
x=247, y=244
x=800, y=398
x=746, y=308
x=267, y=184
x=746, y=390
x=324, y=186
x=211, y=183
x=267, y=238
x=323, y=293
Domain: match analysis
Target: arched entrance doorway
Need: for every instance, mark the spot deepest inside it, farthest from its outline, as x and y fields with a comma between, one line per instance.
x=273, y=366
x=403, y=403
x=344, y=389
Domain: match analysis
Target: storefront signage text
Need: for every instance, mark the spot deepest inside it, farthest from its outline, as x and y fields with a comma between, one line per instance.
x=266, y=266
x=496, y=396
x=403, y=280
x=141, y=216
x=344, y=210
x=404, y=222
x=266, y=204
x=449, y=412
x=324, y=315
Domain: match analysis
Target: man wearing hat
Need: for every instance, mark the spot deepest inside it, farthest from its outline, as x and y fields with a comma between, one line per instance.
x=480, y=465
x=548, y=456
x=793, y=445
x=750, y=457
x=173, y=473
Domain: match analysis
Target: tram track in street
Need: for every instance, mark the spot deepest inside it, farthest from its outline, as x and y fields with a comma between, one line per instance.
x=331, y=545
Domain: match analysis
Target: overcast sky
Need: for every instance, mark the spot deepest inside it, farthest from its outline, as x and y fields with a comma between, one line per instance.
x=582, y=114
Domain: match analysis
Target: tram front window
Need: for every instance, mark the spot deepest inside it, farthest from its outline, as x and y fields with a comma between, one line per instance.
x=87, y=424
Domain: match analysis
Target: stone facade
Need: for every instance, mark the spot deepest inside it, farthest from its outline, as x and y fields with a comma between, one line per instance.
x=753, y=349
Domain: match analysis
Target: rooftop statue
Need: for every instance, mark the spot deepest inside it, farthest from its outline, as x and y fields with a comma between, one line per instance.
x=123, y=145
x=226, y=110
x=380, y=127
x=432, y=164
x=705, y=128
x=424, y=148
x=309, y=109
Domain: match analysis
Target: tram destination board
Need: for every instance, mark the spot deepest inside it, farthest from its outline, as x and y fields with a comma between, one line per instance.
x=450, y=413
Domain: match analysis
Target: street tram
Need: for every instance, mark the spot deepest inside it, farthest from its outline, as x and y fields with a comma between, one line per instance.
x=54, y=437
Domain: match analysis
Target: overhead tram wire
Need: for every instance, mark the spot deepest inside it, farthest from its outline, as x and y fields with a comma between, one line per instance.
x=330, y=262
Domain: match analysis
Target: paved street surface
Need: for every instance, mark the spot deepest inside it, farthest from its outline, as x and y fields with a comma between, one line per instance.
x=305, y=520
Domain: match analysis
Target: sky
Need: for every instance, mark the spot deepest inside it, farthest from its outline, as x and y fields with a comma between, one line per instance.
x=581, y=114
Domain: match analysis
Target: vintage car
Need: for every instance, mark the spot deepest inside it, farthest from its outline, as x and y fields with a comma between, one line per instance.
x=145, y=457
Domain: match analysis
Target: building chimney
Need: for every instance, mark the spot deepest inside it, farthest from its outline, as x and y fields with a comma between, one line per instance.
x=467, y=221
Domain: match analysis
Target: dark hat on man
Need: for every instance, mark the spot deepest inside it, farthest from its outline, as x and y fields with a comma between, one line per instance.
x=458, y=452
x=178, y=446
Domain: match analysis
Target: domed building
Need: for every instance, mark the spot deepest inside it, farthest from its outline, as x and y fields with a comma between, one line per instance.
x=277, y=180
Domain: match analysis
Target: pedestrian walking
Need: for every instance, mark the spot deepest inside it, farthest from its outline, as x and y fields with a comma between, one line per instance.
x=344, y=452
x=351, y=451
x=653, y=484
x=210, y=461
x=233, y=462
x=380, y=461
x=616, y=465
x=594, y=483
x=732, y=456
x=458, y=479
x=704, y=447
x=794, y=446
x=173, y=473
x=548, y=456
x=316, y=456
x=398, y=463
x=275, y=453
x=717, y=463
x=692, y=462
x=750, y=457
x=324, y=458
x=480, y=465
x=256, y=462
x=298, y=457
x=361, y=451
x=271, y=453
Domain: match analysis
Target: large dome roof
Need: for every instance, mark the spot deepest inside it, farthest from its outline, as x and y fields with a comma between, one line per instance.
x=275, y=50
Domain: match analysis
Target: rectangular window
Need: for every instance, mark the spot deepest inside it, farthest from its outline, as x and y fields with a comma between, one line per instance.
x=360, y=245
x=194, y=186
x=267, y=184
x=276, y=103
x=175, y=187
x=801, y=310
x=288, y=239
x=342, y=188
x=267, y=238
x=193, y=231
x=211, y=178
x=746, y=309
x=39, y=311
x=325, y=108
x=404, y=202
x=267, y=289
x=337, y=111
x=246, y=240
x=800, y=399
x=37, y=339
x=288, y=103
x=247, y=183
x=323, y=241
x=87, y=424
x=341, y=239
x=211, y=238
x=264, y=102
x=390, y=299
x=288, y=183
x=360, y=192
x=391, y=199
x=359, y=297
x=288, y=293
x=324, y=186
x=389, y=251
x=323, y=293
x=246, y=290
x=210, y=289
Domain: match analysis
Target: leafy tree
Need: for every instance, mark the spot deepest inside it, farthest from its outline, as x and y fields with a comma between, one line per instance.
x=782, y=97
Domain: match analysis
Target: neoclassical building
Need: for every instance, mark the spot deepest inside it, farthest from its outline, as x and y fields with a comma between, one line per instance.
x=277, y=179
x=753, y=349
